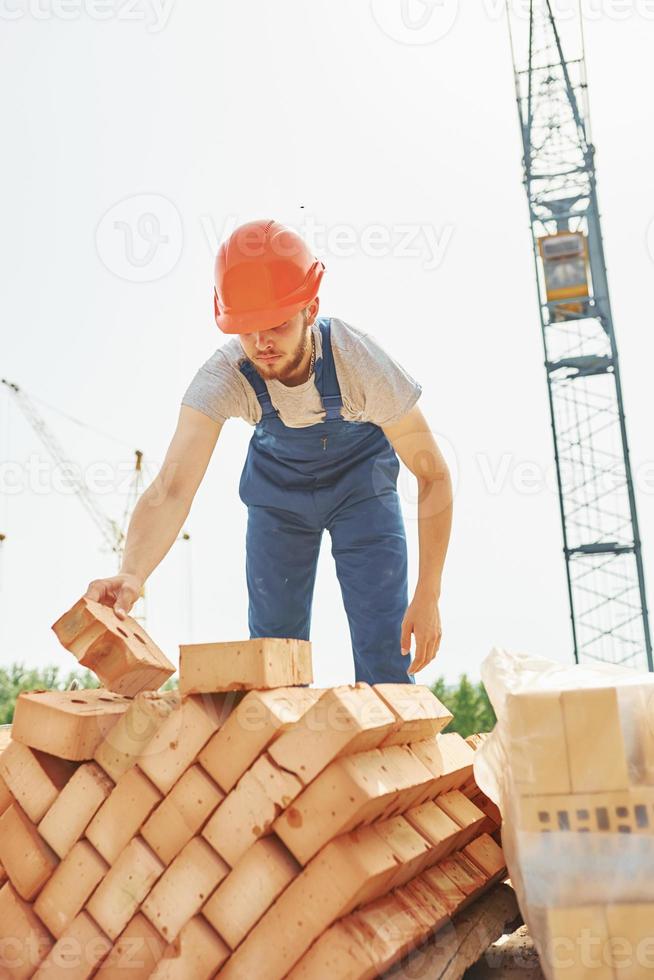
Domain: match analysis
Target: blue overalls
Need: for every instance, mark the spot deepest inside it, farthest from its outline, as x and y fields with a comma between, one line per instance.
x=337, y=475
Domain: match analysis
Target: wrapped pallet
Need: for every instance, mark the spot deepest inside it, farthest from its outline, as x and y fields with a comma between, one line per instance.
x=571, y=766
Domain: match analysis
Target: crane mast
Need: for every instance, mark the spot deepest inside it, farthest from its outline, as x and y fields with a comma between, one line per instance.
x=601, y=542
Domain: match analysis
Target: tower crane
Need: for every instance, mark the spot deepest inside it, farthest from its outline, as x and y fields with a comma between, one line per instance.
x=113, y=534
x=601, y=541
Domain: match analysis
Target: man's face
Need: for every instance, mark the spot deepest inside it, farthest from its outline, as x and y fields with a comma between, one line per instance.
x=278, y=353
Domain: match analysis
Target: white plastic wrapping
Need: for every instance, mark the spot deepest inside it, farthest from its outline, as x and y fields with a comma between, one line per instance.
x=570, y=764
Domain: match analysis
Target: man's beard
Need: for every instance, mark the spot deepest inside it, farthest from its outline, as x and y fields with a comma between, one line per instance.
x=279, y=373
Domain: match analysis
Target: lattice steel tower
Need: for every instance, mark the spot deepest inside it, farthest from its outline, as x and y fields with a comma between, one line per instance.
x=604, y=565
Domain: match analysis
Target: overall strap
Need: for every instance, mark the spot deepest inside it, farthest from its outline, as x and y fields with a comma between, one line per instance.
x=260, y=389
x=326, y=378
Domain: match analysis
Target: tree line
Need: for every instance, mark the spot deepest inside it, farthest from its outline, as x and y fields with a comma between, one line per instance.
x=467, y=700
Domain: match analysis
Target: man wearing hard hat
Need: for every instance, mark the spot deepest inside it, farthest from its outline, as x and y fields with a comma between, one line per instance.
x=331, y=411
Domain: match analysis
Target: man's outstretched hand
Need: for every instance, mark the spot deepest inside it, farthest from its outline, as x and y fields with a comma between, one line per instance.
x=120, y=591
x=423, y=620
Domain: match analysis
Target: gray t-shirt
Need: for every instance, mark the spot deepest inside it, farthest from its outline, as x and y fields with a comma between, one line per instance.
x=374, y=387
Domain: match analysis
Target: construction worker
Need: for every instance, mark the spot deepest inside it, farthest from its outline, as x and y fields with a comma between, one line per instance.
x=331, y=411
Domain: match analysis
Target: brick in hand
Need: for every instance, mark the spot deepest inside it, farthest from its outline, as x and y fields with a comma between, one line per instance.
x=118, y=651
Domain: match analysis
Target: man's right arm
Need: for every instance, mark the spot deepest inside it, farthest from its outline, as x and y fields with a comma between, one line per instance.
x=161, y=510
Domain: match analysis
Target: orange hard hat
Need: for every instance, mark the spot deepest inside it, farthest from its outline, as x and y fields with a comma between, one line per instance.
x=264, y=274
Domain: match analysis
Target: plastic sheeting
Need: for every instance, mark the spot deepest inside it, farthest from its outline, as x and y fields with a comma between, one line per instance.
x=570, y=764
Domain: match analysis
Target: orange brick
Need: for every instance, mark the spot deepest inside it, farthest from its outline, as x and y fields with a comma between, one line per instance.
x=6, y=798
x=184, y=888
x=131, y=735
x=179, y=739
x=465, y=875
x=117, y=898
x=597, y=752
x=260, y=717
x=412, y=850
x=536, y=742
x=411, y=778
x=436, y=827
x=248, y=812
x=34, y=778
x=25, y=856
x=337, y=953
x=249, y=890
x=444, y=888
x=345, y=873
x=207, y=668
x=491, y=810
x=76, y=953
x=67, y=724
x=448, y=758
x=468, y=816
x=487, y=856
x=427, y=907
x=74, y=808
x=344, y=720
x=119, y=818
x=386, y=929
x=197, y=952
x=418, y=712
x=135, y=953
x=24, y=940
x=64, y=894
x=119, y=651
x=352, y=790
x=181, y=814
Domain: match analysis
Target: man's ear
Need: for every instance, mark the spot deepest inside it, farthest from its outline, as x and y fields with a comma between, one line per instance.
x=311, y=311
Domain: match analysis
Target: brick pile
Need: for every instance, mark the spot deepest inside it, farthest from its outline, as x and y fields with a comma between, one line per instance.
x=582, y=825
x=248, y=825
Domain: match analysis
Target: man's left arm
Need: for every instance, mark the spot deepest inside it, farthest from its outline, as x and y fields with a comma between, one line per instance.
x=415, y=445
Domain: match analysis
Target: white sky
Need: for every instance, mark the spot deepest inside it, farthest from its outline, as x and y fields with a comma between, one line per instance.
x=235, y=110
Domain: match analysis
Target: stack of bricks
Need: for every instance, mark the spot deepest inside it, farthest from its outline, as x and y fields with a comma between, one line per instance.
x=248, y=825
x=582, y=824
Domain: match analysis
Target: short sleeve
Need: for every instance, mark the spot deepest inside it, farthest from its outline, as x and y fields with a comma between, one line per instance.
x=216, y=390
x=379, y=388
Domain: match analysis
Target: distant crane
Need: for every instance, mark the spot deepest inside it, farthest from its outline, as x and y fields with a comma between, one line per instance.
x=602, y=547
x=113, y=534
